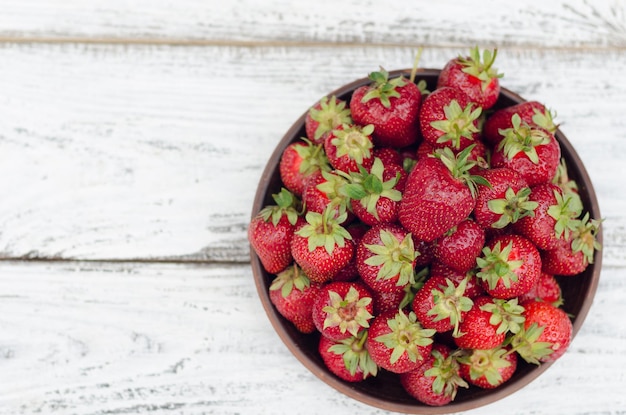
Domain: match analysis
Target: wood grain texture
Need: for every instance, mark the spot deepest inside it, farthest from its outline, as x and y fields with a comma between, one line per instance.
x=533, y=23
x=100, y=338
x=154, y=152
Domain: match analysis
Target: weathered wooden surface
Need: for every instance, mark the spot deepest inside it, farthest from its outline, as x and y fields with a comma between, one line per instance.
x=132, y=137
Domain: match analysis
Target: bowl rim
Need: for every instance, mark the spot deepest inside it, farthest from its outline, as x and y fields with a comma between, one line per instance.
x=345, y=387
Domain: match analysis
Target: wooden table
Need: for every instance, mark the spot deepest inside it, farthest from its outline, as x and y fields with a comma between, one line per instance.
x=132, y=137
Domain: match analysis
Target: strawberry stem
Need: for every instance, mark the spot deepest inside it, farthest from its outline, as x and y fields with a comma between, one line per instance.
x=415, y=64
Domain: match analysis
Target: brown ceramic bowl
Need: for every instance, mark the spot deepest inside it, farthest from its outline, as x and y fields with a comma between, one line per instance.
x=384, y=391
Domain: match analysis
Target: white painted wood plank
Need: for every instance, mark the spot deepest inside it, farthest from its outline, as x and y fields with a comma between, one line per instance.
x=96, y=338
x=155, y=152
x=571, y=23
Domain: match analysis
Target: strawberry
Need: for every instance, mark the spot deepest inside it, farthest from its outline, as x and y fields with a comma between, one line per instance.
x=473, y=287
x=350, y=271
x=375, y=194
x=386, y=258
x=572, y=256
x=435, y=383
x=323, y=189
x=327, y=114
x=270, y=232
x=348, y=358
x=392, y=106
x=342, y=309
x=349, y=146
x=321, y=246
x=488, y=369
x=441, y=304
x=509, y=266
x=388, y=155
x=531, y=112
x=554, y=217
x=293, y=295
x=476, y=330
x=397, y=342
x=299, y=161
x=439, y=194
x=546, y=289
x=474, y=75
x=460, y=245
x=546, y=335
x=504, y=201
x=531, y=151
x=449, y=119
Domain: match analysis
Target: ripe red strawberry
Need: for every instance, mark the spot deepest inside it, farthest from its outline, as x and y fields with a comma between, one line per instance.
x=439, y=194
x=386, y=258
x=350, y=272
x=397, y=342
x=448, y=118
x=299, y=161
x=375, y=194
x=270, y=232
x=327, y=114
x=388, y=155
x=459, y=247
x=342, y=309
x=473, y=287
x=435, y=383
x=572, y=256
x=477, y=330
x=322, y=190
x=293, y=295
x=554, y=217
x=533, y=152
x=474, y=75
x=509, y=267
x=441, y=304
x=321, y=246
x=531, y=112
x=547, y=333
x=392, y=106
x=488, y=369
x=349, y=146
x=504, y=201
x=546, y=289
x=348, y=358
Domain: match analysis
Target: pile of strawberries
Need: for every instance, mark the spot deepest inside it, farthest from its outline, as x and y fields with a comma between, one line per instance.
x=420, y=232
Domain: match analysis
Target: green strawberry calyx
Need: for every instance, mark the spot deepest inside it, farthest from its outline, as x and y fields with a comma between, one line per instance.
x=406, y=336
x=506, y=315
x=349, y=313
x=394, y=257
x=290, y=278
x=383, y=88
x=585, y=237
x=568, y=207
x=332, y=187
x=460, y=165
x=450, y=302
x=526, y=344
x=522, y=138
x=487, y=363
x=561, y=179
x=325, y=230
x=495, y=265
x=355, y=355
x=481, y=67
x=513, y=207
x=459, y=122
x=445, y=370
x=545, y=120
x=286, y=204
x=331, y=114
x=369, y=187
x=353, y=141
x=313, y=157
